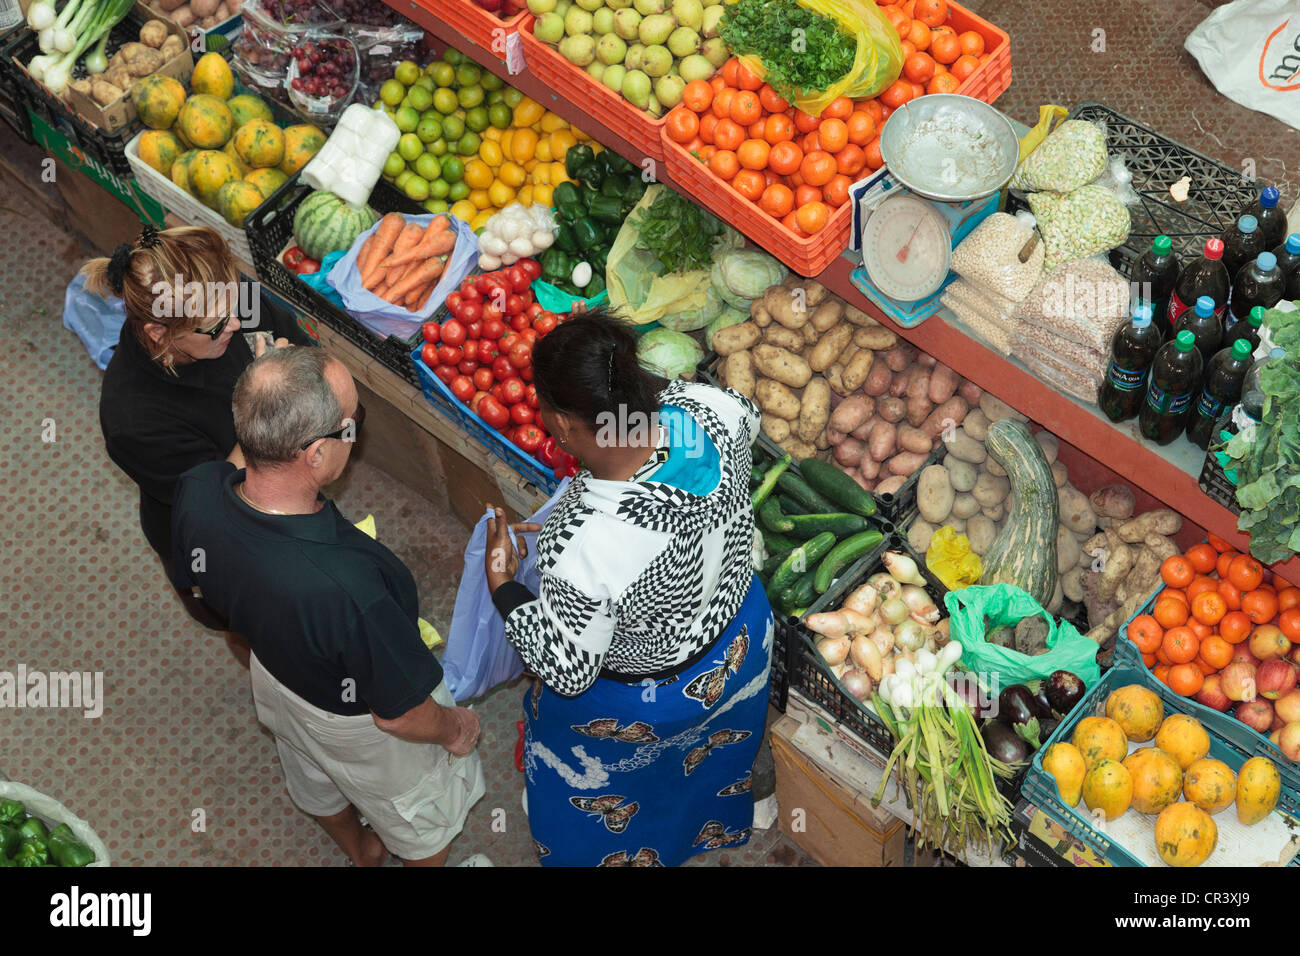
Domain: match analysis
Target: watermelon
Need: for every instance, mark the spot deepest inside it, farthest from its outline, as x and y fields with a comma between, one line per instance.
x=325, y=223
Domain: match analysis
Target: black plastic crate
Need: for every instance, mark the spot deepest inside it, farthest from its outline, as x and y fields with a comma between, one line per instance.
x=11, y=103
x=269, y=228
x=1215, y=482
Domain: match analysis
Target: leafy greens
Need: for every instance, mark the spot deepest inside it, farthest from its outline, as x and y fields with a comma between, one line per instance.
x=681, y=234
x=1267, y=457
x=802, y=52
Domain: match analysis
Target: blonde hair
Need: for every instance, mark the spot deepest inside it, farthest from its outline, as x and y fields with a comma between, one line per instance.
x=185, y=254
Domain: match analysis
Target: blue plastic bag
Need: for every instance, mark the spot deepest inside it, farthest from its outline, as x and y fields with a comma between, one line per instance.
x=383, y=318
x=97, y=321
x=478, y=655
x=319, y=280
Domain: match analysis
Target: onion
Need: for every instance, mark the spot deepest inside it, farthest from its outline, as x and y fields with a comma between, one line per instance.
x=920, y=604
x=910, y=636
x=888, y=667
x=857, y=683
x=1238, y=681
x=866, y=656
x=926, y=661
x=894, y=611
x=884, y=585
x=902, y=568
x=864, y=600
x=833, y=649
x=883, y=638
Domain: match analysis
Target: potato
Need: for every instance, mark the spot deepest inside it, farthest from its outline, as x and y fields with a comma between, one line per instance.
x=81, y=86
x=736, y=338
x=890, y=485
x=993, y=468
x=858, y=317
x=878, y=378
x=971, y=392
x=994, y=512
x=868, y=467
x=926, y=360
x=835, y=377
x=1161, y=546
x=883, y=441
x=738, y=372
x=976, y=424
x=858, y=369
x=781, y=365
x=945, y=416
x=957, y=524
x=996, y=409
x=169, y=5
x=1067, y=549
x=782, y=337
x=1054, y=605
x=810, y=338
x=990, y=490
x=961, y=474
x=891, y=409
x=898, y=357
x=943, y=383
x=849, y=453
x=918, y=402
x=934, y=496
x=919, y=535
x=1076, y=513
x=153, y=33
x=1072, y=584
x=863, y=431
x=204, y=8
x=828, y=315
x=823, y=446
x=899, y=383
x=785, y=307
x=965, y=506
x=223, y=12
x=103, y=92
x=173, y=46
x=119, y=76
x=1116, y=562
x=846, y=356
x=814, y=410
x=814, y=292
x=183, y=16
x=876, y=338
x=829, y=346
x=961, y=446
x=981, y=533
x=1113, y=501
x=913, y=439
x=759, y=315
x=796, y=449
x=1047, y=441
x=1161, y=521
x=905, y=463
x=851, y=413
x=1060, y=475
x=775, y=398
x=777, y=429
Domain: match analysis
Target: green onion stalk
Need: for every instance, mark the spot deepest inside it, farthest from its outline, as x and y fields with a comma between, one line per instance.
x=89, y=24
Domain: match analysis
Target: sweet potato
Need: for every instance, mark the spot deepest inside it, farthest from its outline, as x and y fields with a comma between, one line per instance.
x=774, y=398
x=829, y=346
x=943, y=383
x=849, y=452
x=858, y=369
x=777, y=429
x=890, y=485
x=782, y=337
x=878, y=377
x=913, y=439
x=891, y=409
x=851, y=413
x=1113, y=501
x=736, y=338
x=883, y=441
x=814, y=410
x=827, y=315
x=1116, y=562
x=1142, y=577
x=1161, y=546
x=947, y=415
x=738, y=372
x=905, y=463
x=781, y=365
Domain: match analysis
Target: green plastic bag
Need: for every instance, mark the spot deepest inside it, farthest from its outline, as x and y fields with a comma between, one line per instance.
x=557, y=300
x=1005, y=604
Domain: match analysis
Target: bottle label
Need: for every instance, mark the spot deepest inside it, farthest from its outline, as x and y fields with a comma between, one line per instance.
x=1208, y=406
x=1177, y=307
x=1172, y=403
x=1125, y=380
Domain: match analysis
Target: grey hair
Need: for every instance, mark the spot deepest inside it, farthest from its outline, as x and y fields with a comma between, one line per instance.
x=282, y=400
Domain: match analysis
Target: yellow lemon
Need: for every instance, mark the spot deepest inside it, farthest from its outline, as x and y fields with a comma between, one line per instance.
x=527, y=196
x=490, y=153
x=464, y=210
x=512, y=174
x=541, y=194
x=500, y=194
x=528, y=112
x=543, y=151
x=553, y=121
x=481, y=218
x=560, y=142
x=477, y=174
x=523, y=145
x=541, y=176
x=479, y=198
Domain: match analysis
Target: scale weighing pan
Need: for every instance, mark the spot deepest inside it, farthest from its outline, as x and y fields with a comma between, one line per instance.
x=950, y=148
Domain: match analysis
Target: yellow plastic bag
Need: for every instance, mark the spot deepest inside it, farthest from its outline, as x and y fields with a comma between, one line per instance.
x=952, y=561
x=876, y=64
x=428, y=633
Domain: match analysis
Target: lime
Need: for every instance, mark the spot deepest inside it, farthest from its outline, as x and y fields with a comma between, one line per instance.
x=444, y=101
x=458, y=191
x=438, y=147
x=407, y=119
x=513, y=97
x=436, y=206
x=491, y=81
x=438, y=189
x=477, y=119
x=470, y=96
x=453, y=127
x=407, y=72
x=495, y=96
x=394, y=164
x=468, y=144
x=453, y=171
x=392, y=92
x=500, y=115
x=403, y=178
x=426, y=83
x=419, y=98
x=416, y=188
x=410, y=147
x=454, y=56
x=428, y=167
x=467, y=74
x=442, y=74
x=430, y=127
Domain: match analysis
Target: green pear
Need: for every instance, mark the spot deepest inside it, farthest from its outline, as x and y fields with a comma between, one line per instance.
x=627, y=24
x=656, y=61
x=683, y=42
x=636, y=88
x=715, y=51
x=538, y=7
x=655, y=29
x=577, y=22
x=617, y=5
x=648, y=7
x=668, y=90
x=634, y=54
x=711, y=21
x=549, y=28
x=613, y=77
x=695, y=67
x=579, y=50
x=596, y=70
x=653, y=106
x=610, y=50
x=602, y=21
x=591, y=6
x=689, y=13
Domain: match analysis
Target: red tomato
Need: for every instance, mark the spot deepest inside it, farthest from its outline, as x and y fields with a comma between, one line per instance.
x=521, y=354
x=447, y=373
x=529, y=438
x=526, y=373
x=449, y=354
x=519, y=322
x=453, y=332
x=429, y=355
x=534, y=310
x=463, y=388
x=530, y=396
x=470, y=312
x=512, y=390
x=431, y=332
x=532, y=267
x=468, y=367
x=521, y=413
x=530, y=336
x=485, y=282
x=470, y=349
x=454, y=299
x=483, y=379
x=542, y=324
x=492, y=313
x=507, y=339
x=515, y=305
x=493, y=412
x=474, y=330
x=518, y=277
x=501, y=368
x=547, y=451
x=470, y=293
x=499, y=395
x=476, y=401
x=493, y=329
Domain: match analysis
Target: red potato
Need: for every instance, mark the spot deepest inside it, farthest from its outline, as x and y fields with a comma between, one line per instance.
x=883, y=441
x=863, y=483
x=926, y=360
x=943, y=384
x=869, y=468
x=890, y=485
x=878, y=379
x=971, y=392
x=849, y=452
x=891, y=409
x=917, y=410
x=950, y=413
x=899, y=357
x=913, y=439
x=905, y=463
x=899, y=383
x=835, y=437
x=863, y=431
x=851, y=413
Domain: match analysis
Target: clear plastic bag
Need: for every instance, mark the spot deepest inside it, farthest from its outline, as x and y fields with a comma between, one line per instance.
x=1089, y=220
x=271, y=30
x=322, y=97
x=1071, y=156
x=1082, y=301
x=979, y=314
x=989, y=257
x=381, y=48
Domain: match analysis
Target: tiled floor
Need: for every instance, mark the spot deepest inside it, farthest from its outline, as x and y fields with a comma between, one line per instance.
x=79, y=589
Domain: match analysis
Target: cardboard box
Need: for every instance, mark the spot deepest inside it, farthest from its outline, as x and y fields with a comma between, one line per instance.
x=832, y=822
x=1041, y=841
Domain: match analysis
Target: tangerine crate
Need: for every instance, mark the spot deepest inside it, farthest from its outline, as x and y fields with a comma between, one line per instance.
x=485, y=29
x=642, y=131
x=990, y=79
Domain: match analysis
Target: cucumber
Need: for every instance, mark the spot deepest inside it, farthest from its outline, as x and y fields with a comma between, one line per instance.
x=800, y=593
x=839, y=524
x=799, y=561
x=839, y=487
x=791, y=507
x=772, y=518
x=759, y=494
x=844, y=554
x=775, y=542
x=755, y=476
x=771, y=564
x=803, y=492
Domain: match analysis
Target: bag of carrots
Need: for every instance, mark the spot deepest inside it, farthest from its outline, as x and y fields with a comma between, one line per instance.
x=398, y=272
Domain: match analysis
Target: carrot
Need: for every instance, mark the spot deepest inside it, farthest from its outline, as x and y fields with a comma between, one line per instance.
x=390, y=227
x=426, y=272
x=424, y=299
x=432, y=243
x=365, y=251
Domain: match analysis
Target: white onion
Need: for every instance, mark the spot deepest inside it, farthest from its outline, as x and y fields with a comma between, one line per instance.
x=902, y=567
x=883, y=638
x=833, y=649
x=919, y=604
x=864, y=600
x=884, y=585
x=866, y=656
x=509, y=259
x=909, y=636
x=506, y=228
x=894, y=611
x=857, y=683
x=493, y=245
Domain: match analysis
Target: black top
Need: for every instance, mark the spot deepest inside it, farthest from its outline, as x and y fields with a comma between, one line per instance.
x=330, y=612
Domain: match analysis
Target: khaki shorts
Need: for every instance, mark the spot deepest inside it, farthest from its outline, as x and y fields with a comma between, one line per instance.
x=415, y=796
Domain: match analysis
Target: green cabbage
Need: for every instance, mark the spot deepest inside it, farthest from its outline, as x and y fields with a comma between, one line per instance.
x=692, y=319
x=668, y=353
x=727, y=317
x=742, y=275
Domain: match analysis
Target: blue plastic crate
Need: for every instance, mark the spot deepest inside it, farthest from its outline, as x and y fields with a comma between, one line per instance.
x=441, y=398
x=1127, y=655
x=1230, y=741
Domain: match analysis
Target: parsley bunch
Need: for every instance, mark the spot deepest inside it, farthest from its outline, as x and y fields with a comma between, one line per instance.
x=679, y=233
x=802, y=52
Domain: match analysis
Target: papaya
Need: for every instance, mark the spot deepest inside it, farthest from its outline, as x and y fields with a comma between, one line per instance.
x=160, y=149
x=208, y=171
x=1137, y=710
x=1258, y=787
x=205, y=121
x=260, y=144
x=1067, y=767
x=1183, y=738
x=212, y=76
x=158, y=100
x=266, y=180
x=1185, y=835
x=1157, y=779
x=301, y=143
x=1108, y=787
x=1100, y=738
x=180, y=175
x=247, y=106
x=236, y=199
x=1210, y=784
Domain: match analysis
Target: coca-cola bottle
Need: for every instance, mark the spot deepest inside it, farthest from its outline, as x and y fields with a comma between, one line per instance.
x=1175, y=376
x=1271, y=219
x=1242, y=242
x=1204, y=275
x=1257, y=283
x=1132, y=350
x=1288, y=260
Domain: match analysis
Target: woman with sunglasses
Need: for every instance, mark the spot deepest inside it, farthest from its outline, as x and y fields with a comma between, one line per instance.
x=165, y=402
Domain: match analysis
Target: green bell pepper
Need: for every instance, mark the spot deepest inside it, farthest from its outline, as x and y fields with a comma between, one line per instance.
x=33, y=829
x=620, y=164
x=33, y=852
x=567, y=202
x=606, y=209
x=6, y=861
x=67, y=850
x=564, y=238
x=586, y=234
x=577, y=157
x=12, y=813
x=556, y=265
x=613, y=186
x=591, y=175
x=598, y=258
x=596, y=286
x=10, y=839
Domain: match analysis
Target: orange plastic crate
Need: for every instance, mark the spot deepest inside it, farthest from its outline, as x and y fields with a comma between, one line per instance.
x=639, y=128
x=484, y=29
x=991, y=79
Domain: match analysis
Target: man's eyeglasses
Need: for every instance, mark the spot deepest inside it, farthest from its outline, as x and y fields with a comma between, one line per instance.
x=353, y=426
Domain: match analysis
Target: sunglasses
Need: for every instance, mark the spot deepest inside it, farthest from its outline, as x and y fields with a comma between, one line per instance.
x=354, y=425
x=215, y=332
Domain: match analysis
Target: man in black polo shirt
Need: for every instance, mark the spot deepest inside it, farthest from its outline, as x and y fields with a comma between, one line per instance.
x=361, y=716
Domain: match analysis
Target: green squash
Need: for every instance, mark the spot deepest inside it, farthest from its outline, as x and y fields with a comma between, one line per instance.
x=1024, y=553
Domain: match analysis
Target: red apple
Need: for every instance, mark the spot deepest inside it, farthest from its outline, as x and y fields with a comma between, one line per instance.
x=1288, y=738
x=1288, y=706
x=1295, y=649
x=1242, y=652
x=1238, y=681
x=1211, y=694
x=1275, y=678
x=1267, y=642
x=1257, y=715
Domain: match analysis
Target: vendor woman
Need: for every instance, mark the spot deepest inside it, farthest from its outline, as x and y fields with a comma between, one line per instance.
x=651, y=636
x=165, y=402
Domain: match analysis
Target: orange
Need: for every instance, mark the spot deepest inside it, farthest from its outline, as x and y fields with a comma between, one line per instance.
x=1216, y=652
x=1202, y=631
x=918, y=90
x=721, y=105
x=1170, y=613
x=919, y=34
x=1225, y=561
x=810, y=142
x=1289, y=622
x=1208, y=607
x=1204, y=666
x=747, y=79
x=1288, y=598
x=943, y=83
x=682, y=125
x=1145, y=631
x=944, y=47
x=697, y=95
x=908, y=49
x=724, y=165
x=943, y=29
x=836, y=192
x=1175, y=593
x=727, y=134
x=1161, y=673
x=805, y=123
x=1177, y=571
x=1260, y=605
x=874, y=159
x=706, y=153
x=745, y=108
x=1245, y=572
x=750, y=184
x=756, y=130
x=812, y=217
x=897, y=94
x=964, y=66
x=1203, y=557
x=791, y=223
x=717, y=84
x=753, y=154
x=729, y=71
x=1180, y=644
x=919, y=67
x=695, y=145
x=932, y=13
x=708, y=123
x=838, y=108
x=862, y=127
x=1235, y=627
x=1231, y=595
x=817, y=169
x=1199, y=585
x=887, y=111
x=833, y=135
x=804, y=194
x=1185, y=679
x=1149, y=660
x=777, y=200
x=850, y=160
x=771, y=100
x=897, y=17
x=1219, y=545
x=778, y=128
x=873, y=108
x=972, y=44
x=784, y=158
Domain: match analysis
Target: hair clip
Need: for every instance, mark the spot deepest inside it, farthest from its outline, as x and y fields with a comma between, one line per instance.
x=149, y=236
x=117, y=266
x=610, y=374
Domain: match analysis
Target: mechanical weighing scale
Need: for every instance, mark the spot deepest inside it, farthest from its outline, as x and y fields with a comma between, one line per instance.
x=946, y=159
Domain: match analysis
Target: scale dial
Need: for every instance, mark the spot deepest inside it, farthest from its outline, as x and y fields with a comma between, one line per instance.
x=913, y=229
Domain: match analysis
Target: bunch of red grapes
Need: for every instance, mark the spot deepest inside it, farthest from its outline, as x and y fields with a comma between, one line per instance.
x=325, y=68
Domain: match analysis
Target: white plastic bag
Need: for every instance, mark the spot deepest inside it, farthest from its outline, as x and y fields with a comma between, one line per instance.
x=1250, y=51
x=52, y=813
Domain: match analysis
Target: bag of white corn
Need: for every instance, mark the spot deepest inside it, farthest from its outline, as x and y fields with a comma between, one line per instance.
x=1089, y=220
x=1083, y=301
x=1074, y=154
x=978, y=314
x=989, y=257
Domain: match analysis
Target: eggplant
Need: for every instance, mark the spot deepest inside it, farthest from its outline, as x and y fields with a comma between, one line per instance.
x=1016, y=705
x=1064, y=690
x=1042, y=706
x=1046, y=727
x=1003, y=743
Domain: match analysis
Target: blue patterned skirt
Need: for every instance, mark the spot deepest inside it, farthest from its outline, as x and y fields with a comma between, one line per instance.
x=651, y=774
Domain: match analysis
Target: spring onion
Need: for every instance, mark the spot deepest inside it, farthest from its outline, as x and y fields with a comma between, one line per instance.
x=41, y=15
x=86, y=23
